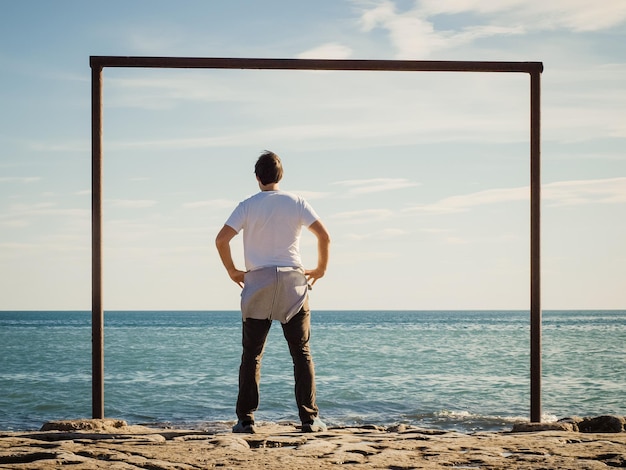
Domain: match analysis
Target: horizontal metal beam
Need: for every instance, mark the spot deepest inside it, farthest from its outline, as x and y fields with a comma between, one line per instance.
x=315, y=64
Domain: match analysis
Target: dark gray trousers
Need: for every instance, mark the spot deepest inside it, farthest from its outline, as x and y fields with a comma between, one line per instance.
x=297, y=332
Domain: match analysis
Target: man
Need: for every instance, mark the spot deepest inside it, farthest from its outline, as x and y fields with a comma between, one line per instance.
x=275, y=286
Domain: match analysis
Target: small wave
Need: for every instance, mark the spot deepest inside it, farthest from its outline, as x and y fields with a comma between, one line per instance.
x=464, y=421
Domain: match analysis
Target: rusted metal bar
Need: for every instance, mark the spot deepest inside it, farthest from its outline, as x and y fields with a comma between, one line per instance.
x=97, y=313
x=315, y=64
x=535, y=247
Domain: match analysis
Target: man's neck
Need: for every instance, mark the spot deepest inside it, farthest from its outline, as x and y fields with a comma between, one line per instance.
x=269, y=187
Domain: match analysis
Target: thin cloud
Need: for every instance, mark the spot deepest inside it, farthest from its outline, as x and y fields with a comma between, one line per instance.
x=292, y=133
x=132, y=203
x=375, y=185
x=598, y=191
x=563, y=193
x=165, y=92
x=385, y=234
x=367, y=215
x=212, y=204
x=587, y=103
x=14, y=223
x=19, y=179
x=327, y=51
x=313, y=195
x=349, y=257
x=400, y=132
x=67, y=146
x=25, y=211
x=13, y=250
x=24, y=215
x=576, y=15
x=455, y=241
x=463, y=202
x=17, y=250
x=414, y=35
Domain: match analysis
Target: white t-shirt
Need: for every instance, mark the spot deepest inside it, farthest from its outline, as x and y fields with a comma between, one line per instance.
x=272, y=222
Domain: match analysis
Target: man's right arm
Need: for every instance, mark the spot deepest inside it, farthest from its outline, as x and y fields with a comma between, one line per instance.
x=323, y=250
x=222, y=242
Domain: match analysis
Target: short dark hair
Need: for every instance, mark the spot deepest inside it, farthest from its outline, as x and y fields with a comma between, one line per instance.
x=268, y=168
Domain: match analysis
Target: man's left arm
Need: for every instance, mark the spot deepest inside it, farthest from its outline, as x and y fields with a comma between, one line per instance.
x=222, y=242
x=323, y=249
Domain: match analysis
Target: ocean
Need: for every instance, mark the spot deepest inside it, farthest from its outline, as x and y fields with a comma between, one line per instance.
x=453, y=370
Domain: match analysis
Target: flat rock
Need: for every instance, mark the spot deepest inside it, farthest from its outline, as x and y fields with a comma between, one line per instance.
x=105, y=425
x=536, y=427
x=284, y=446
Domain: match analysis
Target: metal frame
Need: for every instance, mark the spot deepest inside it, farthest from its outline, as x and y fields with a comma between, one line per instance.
x=534, y=69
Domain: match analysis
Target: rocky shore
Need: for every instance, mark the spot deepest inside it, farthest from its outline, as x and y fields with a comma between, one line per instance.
x=576, y=443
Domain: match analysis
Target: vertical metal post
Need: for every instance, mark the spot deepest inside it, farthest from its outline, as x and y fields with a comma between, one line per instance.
x=97, y=313
x=535, y=252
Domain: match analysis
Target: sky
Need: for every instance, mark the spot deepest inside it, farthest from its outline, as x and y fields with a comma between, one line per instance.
x=422, y=179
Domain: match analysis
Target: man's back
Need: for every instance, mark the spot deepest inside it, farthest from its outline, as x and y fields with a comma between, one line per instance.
x=272, y=222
